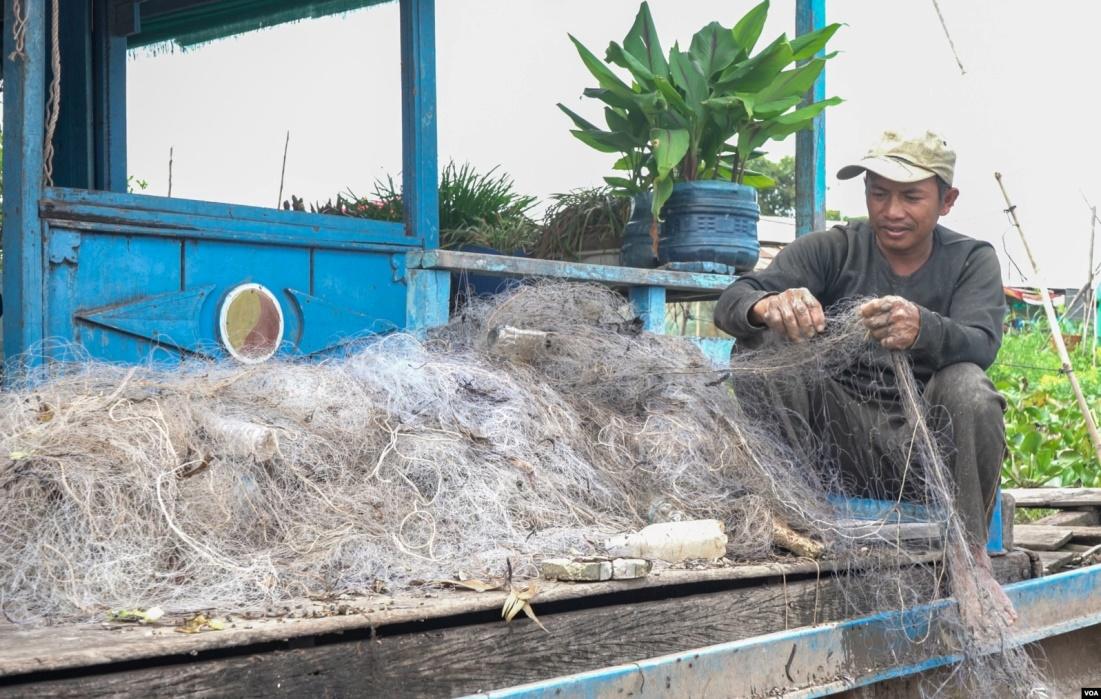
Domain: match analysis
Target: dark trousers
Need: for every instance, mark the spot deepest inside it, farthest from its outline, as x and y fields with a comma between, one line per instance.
x=870, y=439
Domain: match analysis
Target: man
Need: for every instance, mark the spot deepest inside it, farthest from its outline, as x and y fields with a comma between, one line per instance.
x=936, y=295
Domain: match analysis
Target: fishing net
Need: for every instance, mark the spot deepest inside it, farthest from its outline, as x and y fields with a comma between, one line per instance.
x=535, y=424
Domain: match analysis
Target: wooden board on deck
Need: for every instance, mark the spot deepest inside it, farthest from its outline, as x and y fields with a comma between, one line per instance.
x=1038, y=537
x=1086, y=517
x=479, y=652
x=1055, y=561
x=1056, y=497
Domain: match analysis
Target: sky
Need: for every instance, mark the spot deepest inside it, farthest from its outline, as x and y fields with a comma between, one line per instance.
x=1024, y=107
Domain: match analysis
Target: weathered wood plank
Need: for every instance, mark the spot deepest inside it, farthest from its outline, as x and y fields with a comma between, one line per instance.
x=1041, y=538
x=1086, y=517
x=1054, y=561
x=34, y=649
x=480, y=656
x=1056, y=497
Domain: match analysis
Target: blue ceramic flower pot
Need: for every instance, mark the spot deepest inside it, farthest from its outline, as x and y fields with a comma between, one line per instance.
x=711, y=221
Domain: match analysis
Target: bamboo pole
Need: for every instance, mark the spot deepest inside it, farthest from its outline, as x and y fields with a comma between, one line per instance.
x=1092, y=314
x=283, y=170
x=1053, y=321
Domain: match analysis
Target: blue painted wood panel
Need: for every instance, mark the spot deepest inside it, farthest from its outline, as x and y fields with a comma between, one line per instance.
x=24, y=95
x=127, y=274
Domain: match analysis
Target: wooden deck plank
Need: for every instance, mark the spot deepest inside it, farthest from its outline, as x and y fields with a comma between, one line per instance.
x=1055, y=561
x=24, y=649
x=1038, y=537
x=480, y=656
x=1086, y=517
x=1056, y=497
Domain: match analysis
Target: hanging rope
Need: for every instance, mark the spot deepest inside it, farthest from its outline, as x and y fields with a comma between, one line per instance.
x=53, y=107
x=18, y=31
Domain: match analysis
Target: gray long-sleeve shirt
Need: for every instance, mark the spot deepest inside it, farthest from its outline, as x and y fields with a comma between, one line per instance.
x=958, y=290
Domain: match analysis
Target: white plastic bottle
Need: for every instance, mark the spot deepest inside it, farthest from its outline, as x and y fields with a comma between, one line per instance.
x=671, y=541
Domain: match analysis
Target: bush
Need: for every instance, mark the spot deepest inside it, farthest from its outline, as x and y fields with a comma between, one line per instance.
x=475, y=209
x=1046, y=434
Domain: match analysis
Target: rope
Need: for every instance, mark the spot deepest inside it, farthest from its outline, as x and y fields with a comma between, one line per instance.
x=54, y=105
x=18, y=31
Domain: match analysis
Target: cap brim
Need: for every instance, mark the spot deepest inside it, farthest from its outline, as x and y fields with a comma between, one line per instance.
x=890, y=168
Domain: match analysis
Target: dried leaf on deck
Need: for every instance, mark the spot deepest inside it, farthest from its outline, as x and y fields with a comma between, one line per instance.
x=475, y=584
x=200, y=623
x=519, y=600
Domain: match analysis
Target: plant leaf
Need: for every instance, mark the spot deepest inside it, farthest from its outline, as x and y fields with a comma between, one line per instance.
x=749, y=27
x=688, y=76
x=642, y=43
x=669, y=146
x=790, y=83
x=577, y=119
x=806, y=45
x=757, y=180
x=642, y=75
x=604, y=75
x=757, y=72
x=714, y=49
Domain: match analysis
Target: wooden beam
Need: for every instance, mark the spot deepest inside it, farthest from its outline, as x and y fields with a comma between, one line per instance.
x=706, y=285
x=1056, y=497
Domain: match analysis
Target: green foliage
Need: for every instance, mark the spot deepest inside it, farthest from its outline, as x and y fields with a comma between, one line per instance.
x=778, y=200
x=701, y=113
x=582, y=219
x=1046, y=434
x=475, y=208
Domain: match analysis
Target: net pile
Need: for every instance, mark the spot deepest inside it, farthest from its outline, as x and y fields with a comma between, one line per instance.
x=409, y=461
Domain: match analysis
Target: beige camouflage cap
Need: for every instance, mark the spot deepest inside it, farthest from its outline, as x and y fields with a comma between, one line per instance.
x=903, y=159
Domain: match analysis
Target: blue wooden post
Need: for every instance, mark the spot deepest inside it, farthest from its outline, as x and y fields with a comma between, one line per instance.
x=428, y=290
x=994, y=540
x=418, y=115
x=810, y=145
x=108, y=100
x=649, y=303
x=24, y=116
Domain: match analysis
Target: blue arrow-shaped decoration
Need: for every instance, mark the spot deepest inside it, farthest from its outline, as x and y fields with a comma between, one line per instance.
x=326, y=325
x=167, y=319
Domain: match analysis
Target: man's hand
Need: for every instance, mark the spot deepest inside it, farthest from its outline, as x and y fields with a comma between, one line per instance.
x=893, y=321
x=794, y=314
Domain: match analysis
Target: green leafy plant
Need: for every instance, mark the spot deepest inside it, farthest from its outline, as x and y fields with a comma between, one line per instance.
x=475, y=208
x=587, y=218
x=701, y=113
x=1048, y=444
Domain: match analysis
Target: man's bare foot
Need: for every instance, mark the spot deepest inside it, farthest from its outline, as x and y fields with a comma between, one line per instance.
x=985, y=609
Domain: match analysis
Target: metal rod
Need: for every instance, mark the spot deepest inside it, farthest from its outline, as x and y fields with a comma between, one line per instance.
x=1056, y=333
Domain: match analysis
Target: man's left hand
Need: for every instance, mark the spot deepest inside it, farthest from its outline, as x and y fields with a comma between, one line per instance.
x=893, y=321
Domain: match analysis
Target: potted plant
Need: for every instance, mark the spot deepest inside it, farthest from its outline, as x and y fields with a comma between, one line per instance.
x=584, y=225
x=689, y=123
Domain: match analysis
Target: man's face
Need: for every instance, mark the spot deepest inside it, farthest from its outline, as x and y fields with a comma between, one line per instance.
x=904, y=214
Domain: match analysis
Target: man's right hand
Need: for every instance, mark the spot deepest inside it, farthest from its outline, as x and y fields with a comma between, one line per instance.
x=794, y=314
